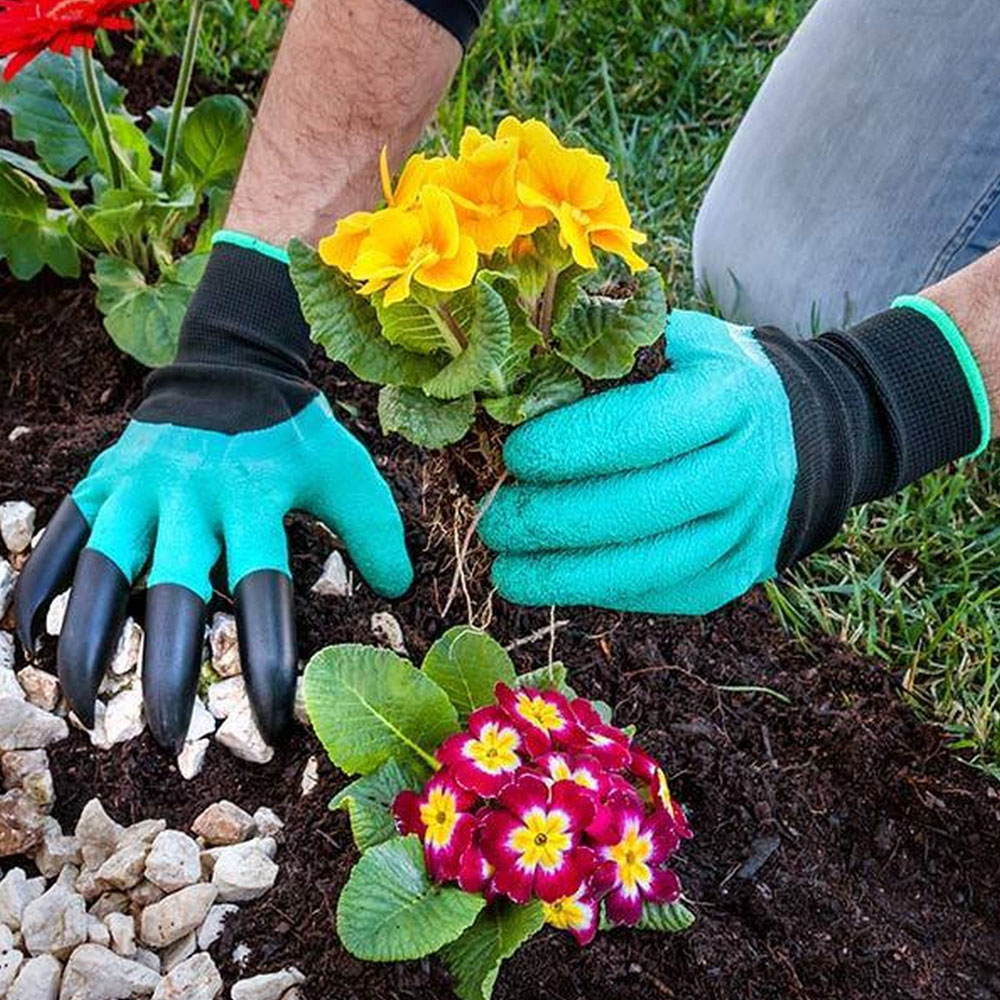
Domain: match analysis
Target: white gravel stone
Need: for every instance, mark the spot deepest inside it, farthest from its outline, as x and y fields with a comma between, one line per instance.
x=310, y=776
x=56, y=614
x=242, y=953
x=19, y=764
x=225, y=697
x=16, y=892
x=96, y=973
x=174, y=861
x=191, y=759
x=148, y=958
x=121, y=928
x=301, y=715
x=40, y=687
x=179, y=951
x=145, y=894
x=6, y=938
x=169, y=920
x=268, y=822
x=224, y=822
x=386, y=628
x=110, y=902
x=18, y=432
x=213, y=924
x=17, y=524
x=38, y=979
x=240, y=735
x=202, y=722
x=97, y=833
x=124, y=718
x=270, y=986
x=97, y=932
x=243, y=875
x=24, y=726
x=124, y=868
x=6, y=650
x=334, y=580
x=56, y=850
x=21, y=823
x=7, y=580
x=224, y=645
x=128, y=651
x=144, y=832
x=10, y=686
x=267, y=846
x=55, y=923
x=197, y=978
x=10, y=966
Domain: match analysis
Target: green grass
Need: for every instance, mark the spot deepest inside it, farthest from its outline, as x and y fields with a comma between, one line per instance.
x=658, y=86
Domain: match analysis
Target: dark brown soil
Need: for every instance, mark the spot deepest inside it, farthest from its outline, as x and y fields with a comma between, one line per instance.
x=840, y=852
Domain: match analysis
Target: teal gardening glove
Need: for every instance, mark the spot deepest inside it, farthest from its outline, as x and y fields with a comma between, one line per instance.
x=228, y=439
x=677, y=495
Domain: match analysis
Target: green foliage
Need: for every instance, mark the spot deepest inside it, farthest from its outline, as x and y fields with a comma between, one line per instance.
x=475, y=958
x=548, y=678
x=369, y=706
x=390, y=910
x=667, y=917
x=31, y=234
x=424, y=420
x=368, y=801
x=467, y=664
x=212, y=139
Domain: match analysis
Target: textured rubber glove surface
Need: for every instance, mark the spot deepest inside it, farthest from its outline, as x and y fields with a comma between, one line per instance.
x=666, y=497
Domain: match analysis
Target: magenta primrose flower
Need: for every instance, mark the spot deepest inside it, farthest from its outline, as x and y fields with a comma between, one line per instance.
x=594, y=736
x=542, y=717
x=647, y=770
x=484, y=758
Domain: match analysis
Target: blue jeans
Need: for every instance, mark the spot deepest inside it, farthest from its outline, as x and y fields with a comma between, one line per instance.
x=867, y=166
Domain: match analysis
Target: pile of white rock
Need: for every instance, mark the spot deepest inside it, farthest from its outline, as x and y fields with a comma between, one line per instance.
x=130, y=912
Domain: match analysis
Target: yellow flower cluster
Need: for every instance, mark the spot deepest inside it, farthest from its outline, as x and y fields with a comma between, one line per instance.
x=446, y=211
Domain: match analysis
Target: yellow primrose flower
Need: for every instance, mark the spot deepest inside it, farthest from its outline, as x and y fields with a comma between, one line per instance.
x=529, y=135
x=341, y=249
x=414, y=175
x=423, y=244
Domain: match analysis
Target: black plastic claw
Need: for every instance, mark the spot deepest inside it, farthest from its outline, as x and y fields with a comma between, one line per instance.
x=49, y=570
x=265, y=624
x=171, y=661
x=90, y=629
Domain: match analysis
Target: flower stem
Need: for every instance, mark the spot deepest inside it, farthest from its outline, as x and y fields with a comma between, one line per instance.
x=181, y=88
x=548, y=304
x=100, y=114
x=456, y=331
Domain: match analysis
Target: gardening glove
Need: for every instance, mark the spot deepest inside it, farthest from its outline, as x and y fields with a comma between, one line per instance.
x=677, y=495
x=228, y=439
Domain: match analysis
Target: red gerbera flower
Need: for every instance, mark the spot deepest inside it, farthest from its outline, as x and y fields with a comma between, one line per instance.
x=256, y=3
x=28, y=27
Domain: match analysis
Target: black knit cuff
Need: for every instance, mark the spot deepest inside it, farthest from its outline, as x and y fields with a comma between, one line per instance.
x=460, y=17
x=873, y=409
x=243, y=352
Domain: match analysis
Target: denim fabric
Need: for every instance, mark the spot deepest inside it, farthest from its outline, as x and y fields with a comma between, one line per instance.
x=868, y=166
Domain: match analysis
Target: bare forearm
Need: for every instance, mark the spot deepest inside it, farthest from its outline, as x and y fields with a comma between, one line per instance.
x=350, y=77
x=972, y=298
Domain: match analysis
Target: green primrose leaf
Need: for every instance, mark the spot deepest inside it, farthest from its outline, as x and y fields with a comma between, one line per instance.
x=31, y=234
x=549, y=383
x=488, y=335
x=368, y=802
x=669, y=917
x=47, y=102
x=421, y=328
x=369, y=705
x=390, y=910
x=524, y=335
x=548, y=678
x=430, y=423
x=604, y=710
x=346, y=326
x=467, y=664
x=144, y=319
x=599, y=335
x=213, y=138
x=475, y=958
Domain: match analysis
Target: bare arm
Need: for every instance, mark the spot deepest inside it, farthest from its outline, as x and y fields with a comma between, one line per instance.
x=972, y=298
x=350, y=77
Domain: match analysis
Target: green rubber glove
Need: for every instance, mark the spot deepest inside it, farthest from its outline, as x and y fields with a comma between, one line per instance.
x=677, y=495
x=228, y=439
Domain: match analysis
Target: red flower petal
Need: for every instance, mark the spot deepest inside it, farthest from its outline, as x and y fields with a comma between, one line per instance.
x=474, y=872
x=576, y=803
x=665, y=887
x=524, y=793
x=563, y=880
x=443, y=859
x=406, y=810
x=622, y=907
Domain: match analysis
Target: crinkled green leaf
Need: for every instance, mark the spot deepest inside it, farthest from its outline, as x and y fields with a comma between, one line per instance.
x=346, y=326
x=524, y=335
x=548, y=678
x=213, y=138
x=47, y=102
x=415, y=326
x=670, y=918
x=475, y=958
x=368, y=802
x=599, y=335
x=369, y=705
x=430, y=423
x=31, y=234
x=143, y=319
x=390, y=910
x=549, y=383
x=467, y=664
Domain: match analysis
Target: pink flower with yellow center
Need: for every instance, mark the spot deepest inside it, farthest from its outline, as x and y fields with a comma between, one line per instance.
x=647, y=770
x=484, y=758
x=579, y=914
x=541, y=716
x=475, y=873
x=631, y=865
x=533, y=839
x=594, y=736
x=587, y=773
x=439, y=816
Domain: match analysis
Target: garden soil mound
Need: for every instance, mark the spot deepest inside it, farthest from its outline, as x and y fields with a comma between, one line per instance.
x=840, y=851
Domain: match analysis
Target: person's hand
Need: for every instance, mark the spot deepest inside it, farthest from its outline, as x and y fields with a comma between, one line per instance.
x=676, y=495
x=228, y=439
